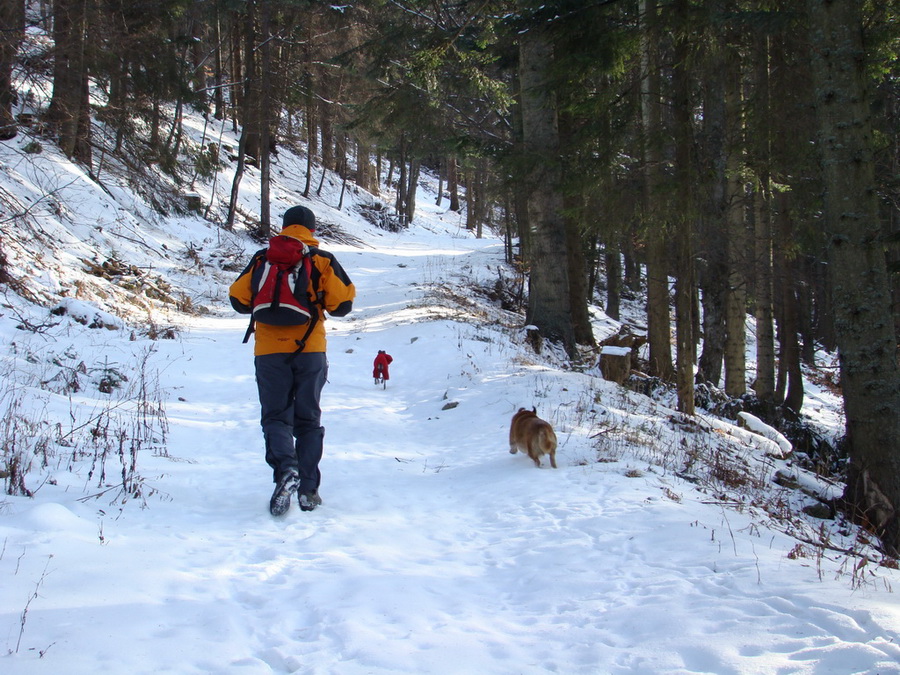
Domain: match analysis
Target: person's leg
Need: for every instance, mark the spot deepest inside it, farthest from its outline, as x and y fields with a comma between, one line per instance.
x=275, y=382
x=310, y=372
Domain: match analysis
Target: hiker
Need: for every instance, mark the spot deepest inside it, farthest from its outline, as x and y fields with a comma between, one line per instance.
x=380, y=368
x=291, y=368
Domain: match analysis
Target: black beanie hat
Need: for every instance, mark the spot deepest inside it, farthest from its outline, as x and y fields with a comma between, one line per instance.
x=300, y=215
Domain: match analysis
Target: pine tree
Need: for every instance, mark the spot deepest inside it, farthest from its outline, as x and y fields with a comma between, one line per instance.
x=548, y=308
x=868, y=347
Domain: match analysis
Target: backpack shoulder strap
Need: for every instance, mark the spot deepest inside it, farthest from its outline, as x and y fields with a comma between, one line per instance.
x=258, y=257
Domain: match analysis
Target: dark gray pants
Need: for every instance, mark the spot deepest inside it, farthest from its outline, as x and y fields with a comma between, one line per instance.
x=289, y=394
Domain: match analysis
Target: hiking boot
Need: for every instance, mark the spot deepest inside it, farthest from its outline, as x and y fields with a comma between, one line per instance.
x=281, y=498
x=309, y=500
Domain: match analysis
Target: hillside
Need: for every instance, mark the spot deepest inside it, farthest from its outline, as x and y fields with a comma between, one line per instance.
x=138, y=538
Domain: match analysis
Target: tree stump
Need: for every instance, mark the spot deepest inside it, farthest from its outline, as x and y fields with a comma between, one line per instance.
x=193, y=202
x=625, y=338
x=615, y=363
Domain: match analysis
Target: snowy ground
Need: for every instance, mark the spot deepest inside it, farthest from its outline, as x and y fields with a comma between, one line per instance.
x=436, y=551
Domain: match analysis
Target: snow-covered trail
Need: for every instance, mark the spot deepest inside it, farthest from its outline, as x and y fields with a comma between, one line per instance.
x=435, y=550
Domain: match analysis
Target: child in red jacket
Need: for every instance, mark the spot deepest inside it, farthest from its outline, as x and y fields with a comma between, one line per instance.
x=380, y=369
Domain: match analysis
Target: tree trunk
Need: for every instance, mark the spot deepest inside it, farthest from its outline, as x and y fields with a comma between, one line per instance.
x=266, y=110
x=453, y=184
x=508, y=228
x=863, y=324
x=759, y=141
x=364, y=170
x=790, y=347
x=632, y=268
x=548, y=306
x=12, y=18
x=805, y=308
x=65, y=114
x=736, y=292
x=311, y=117
x=82, y=150
x=613, y=284
x=658, y=319
x=579, y=291
x=402, y=184
x=326, y=127
x=376, y=176
x=251, y=110
x=311, y=143
x=712, y=270
x=340, y=155
x=236, y=184
x=237, y=71
x=415, y=167
x=483, y=213
x=219, y=93
x=764, y=386
x=471, y=198
x=684, y=208
x=198, y=33
x=824, y=319
x=789, y=390
x=786, y=315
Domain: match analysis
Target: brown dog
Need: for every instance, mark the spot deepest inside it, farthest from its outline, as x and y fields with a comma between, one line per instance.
x=533, y=436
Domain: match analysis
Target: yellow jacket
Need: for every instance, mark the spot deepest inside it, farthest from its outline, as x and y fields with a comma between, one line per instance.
x=334, y=287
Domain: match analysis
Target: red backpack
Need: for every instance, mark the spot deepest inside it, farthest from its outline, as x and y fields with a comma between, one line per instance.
x=279, y=285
